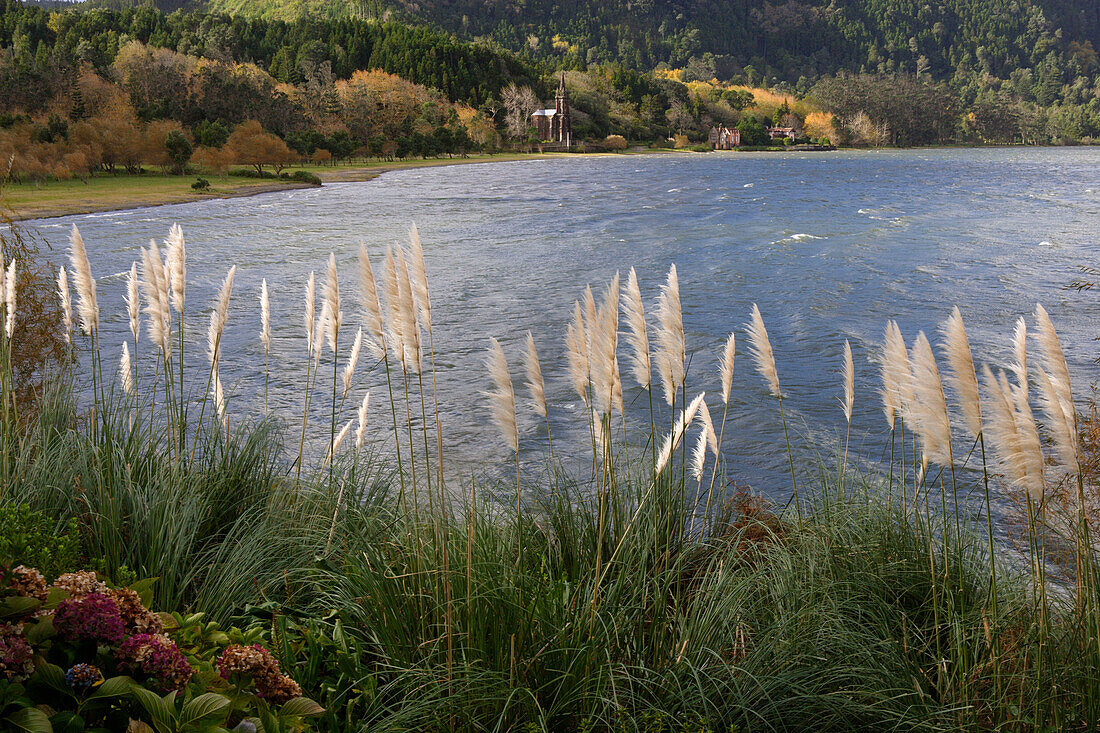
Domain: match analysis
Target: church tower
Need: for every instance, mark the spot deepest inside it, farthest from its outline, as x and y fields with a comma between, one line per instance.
x=563, y=123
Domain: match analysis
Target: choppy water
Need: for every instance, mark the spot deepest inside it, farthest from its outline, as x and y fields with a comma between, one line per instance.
x=829, y=244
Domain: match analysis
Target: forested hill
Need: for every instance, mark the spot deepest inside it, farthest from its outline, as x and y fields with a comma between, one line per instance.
x=786, y=39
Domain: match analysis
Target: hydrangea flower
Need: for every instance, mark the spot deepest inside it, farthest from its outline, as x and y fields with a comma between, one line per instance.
x=158, y=658
x=83, y=677
x=80, y=584
x=94, y=617
x=137, y=618
x=28, y=582
x=16, y=655
x=258, y=664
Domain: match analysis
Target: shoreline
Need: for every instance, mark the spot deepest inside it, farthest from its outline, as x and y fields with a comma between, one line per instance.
x=70, y=198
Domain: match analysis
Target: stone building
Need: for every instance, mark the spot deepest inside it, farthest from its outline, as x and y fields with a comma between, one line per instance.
x=555, y=125
x=724, y=138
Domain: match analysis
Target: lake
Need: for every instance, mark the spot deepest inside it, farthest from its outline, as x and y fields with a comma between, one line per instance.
x=830, y=245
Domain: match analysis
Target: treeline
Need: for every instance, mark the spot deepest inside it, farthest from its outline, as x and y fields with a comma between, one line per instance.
x=297, y=52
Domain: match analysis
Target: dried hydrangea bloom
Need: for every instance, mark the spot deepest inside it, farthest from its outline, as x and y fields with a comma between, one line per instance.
x=94, y=617
x=279, y=691
x=258, y=664
x=254, y=661
x=16, y=655
x=138, y=618
x=158, y=659
x=80, y=584
x=28, y=582
x=83, y=677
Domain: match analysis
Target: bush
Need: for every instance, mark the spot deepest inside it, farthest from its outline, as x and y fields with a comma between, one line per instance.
x=200, y=184
x=81, y=654
x=252, y=173
x=31, y=538
x=614, y=142
x=301, y=177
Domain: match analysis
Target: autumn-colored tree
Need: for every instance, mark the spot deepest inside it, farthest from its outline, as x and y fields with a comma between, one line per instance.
x=216, y=160
x=250, y=145
x=321, y=156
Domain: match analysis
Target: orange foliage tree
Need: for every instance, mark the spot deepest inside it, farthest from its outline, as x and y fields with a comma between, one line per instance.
x=250, y=145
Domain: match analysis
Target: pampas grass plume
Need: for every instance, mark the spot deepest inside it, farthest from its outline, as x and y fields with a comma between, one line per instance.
x=66, y=303
x=265, y=317
x=848, y=374
x=929, y=408
x=218, y=317
x=670, y=336
x=419, y=277
x=310, y=310
x=125, y=373
x=502, y=399
x=361, y=429
x=638, y=335
x=133, y=302
x=960, y=372
x=87, y=307
x=897, y=378
x=333, y=316
x=353, y=359
x=576, y=352
x=372, y=308
x=408, y=310
x=534, y=376
x=725, y=367
x=760, y=348
x=152, y=275
x=672, y=440
x=9, y=300
x=177, y=267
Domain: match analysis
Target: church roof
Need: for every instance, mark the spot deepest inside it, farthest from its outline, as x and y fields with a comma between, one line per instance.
x=544, y=113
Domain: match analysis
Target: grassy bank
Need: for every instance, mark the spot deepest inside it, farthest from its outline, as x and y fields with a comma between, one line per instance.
x=645, y=594
x=112, y=192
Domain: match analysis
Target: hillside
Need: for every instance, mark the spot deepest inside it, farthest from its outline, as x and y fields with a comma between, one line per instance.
x=787, y=39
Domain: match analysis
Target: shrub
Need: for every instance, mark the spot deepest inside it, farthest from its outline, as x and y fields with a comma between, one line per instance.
x=63, y=648
x=614, y=142
x=200, y=184
x=302, y=177
x=33, y=539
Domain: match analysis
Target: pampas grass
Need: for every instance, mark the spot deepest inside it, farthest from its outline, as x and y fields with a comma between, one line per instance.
x=576, y=352
x=219, y=315
x=847, y=372
x=87, y=307
x=133, y=303
x=353, y=359
x=1056, y=395
x=603, y=345
x=534, y=377
x=361, y=428
x=66, y=304
x=960, y=373
x=760, y=349
x=638, y=335
x=670, y=337
x=9, y=300
x=156, y=307
x=502, y=398
x=125, y=371
x=928, y=409
x=309, y=313
x=672, y=440
x=176, y=257
x=372, y=308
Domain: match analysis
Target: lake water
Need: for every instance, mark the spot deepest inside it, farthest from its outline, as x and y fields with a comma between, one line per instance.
x=830, y=245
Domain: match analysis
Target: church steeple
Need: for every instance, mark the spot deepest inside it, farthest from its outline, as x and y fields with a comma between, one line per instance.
x=562, y=94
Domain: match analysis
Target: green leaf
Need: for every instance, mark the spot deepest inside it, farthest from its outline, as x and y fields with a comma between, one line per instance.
x=31, y=720
x=159, y=710
x=113, y=687
x=202, y=707
x=52, y=676
x=18, y=606
x=301, y=706
x=144, y=589
x=67, y=722
x=39, y=631
x=54, y=596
